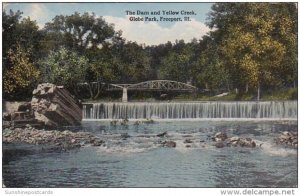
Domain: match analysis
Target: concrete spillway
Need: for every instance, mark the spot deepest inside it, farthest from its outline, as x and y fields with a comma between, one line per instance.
x=191, y=110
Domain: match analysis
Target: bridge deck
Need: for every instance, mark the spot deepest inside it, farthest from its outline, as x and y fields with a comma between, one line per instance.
x=154, y=85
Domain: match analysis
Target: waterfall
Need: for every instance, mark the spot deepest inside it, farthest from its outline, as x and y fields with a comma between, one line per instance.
x=191, y=110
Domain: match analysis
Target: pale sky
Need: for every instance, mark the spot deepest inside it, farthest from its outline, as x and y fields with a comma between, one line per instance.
x=150, y=33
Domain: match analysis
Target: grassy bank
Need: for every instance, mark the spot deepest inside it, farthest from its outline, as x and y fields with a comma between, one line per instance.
x=280, y=95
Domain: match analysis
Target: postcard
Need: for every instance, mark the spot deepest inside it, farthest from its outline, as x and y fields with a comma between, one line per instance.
x=150, y=95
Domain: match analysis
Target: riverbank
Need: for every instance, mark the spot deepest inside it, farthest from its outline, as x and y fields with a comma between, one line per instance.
x=278, y=95
x=62, y=140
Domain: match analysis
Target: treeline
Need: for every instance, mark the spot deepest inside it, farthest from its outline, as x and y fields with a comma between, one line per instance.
x=252, y=46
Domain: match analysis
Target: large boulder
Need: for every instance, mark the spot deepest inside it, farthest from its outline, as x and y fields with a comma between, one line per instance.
x=55, y=106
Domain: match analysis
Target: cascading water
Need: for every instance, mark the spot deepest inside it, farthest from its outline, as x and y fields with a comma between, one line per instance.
x=191, y=110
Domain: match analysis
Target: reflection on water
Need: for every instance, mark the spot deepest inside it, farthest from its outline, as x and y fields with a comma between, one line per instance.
x=138, y=161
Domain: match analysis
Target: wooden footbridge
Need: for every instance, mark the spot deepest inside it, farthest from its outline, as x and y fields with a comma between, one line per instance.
x=152, y=85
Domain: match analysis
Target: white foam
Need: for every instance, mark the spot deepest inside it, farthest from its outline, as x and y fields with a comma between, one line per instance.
x=123, y=150
x=273, y=149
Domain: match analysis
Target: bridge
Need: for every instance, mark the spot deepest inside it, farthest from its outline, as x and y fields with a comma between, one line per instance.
x=152, y=85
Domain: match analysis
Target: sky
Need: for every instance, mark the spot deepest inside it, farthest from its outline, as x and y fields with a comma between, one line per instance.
x=143, y=32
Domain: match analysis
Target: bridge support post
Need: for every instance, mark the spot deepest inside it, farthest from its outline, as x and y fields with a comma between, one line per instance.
x=124, y=97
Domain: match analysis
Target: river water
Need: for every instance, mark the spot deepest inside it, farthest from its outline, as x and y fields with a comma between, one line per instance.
x=132, y=157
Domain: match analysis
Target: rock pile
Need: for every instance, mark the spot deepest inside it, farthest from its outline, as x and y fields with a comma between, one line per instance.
x=55, y=106
x=222, y=140
x=289, y=139
x=243, y=142
x=63, y=139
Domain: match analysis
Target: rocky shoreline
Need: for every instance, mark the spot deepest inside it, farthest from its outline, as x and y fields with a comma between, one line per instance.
x=63, y=140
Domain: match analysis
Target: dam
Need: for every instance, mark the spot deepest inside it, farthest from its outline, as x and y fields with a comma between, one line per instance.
x=191, y=110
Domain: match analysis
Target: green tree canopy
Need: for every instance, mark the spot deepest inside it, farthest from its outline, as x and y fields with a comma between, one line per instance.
x=23, y=32
x=208, y=69
x=255, y=41
x=21, y=77
x=78, y=32
x=134, y=63
x=64, y=67
x=177, y=64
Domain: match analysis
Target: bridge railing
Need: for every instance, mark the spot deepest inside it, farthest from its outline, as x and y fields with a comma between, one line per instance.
x=152, y=85
x=168, y=85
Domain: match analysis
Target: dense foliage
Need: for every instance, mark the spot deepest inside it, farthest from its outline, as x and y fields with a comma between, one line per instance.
x=252, y=47
x=64, y=67
x=21, y=76
x=258, y=42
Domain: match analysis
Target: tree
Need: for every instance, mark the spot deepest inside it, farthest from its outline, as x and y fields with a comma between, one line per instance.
x=24, y=33
x=133, y=63
x=9, y=25
x=177, y=64
x=64, y=67
x=93, y=38
x=208, y=69
x=20, y=53
x=21, y=77
x=252, y=41
x=30, y=37
x=286, y=26
x=157, y=53
x=103, y=69
x=81, y=33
